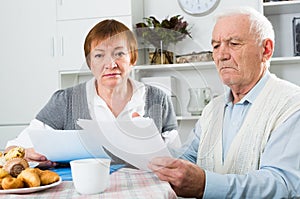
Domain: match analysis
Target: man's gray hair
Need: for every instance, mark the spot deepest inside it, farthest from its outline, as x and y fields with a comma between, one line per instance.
x=258, y=22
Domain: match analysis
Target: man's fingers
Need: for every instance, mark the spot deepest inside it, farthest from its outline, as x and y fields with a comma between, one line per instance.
x=164, y=162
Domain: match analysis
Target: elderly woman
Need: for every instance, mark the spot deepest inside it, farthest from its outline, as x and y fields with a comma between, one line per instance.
x=111, y=52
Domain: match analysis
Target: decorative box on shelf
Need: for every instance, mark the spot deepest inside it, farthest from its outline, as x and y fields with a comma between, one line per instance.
x=203, y=56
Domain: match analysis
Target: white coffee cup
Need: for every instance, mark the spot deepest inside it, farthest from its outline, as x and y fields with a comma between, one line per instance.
x=90, y=176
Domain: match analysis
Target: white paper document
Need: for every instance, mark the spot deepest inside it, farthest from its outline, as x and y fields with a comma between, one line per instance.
x=136, y=141
x=66, y=145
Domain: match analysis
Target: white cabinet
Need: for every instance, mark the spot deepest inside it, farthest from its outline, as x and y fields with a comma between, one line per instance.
x=71, y=36
x=75, y=18
x=28, y=65
x=281, y=14
x=28, y=62
x=87, y=9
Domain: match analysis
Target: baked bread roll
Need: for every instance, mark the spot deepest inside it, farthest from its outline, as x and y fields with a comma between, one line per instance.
x=15, y=166
x=3, y=173
x=11, y=183
x=30, y=178
x=48, y=177
x=17, y=152
x=1, y=183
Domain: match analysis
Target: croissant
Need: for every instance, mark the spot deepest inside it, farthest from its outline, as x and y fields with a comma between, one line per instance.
x=15, y=166
x=30, y=178
x=11, y=183
x=48, y=177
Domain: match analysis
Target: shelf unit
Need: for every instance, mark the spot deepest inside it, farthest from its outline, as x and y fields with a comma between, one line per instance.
x=281, y=7
x=281, y=15
x=197, y=74
x=188, y=75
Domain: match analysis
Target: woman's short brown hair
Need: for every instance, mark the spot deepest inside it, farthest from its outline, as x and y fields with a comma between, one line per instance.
x=107, y=29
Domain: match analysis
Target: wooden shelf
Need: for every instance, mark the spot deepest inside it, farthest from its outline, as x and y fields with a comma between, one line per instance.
x=281, y=7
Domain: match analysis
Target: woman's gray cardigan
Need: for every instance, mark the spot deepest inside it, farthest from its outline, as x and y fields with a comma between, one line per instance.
x=68, y=105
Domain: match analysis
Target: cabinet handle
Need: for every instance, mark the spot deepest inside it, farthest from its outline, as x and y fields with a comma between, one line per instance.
x=61, y=2
x=62, y=46
x=53, y=47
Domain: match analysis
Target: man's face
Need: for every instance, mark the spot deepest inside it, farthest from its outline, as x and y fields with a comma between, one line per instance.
x=237, y=54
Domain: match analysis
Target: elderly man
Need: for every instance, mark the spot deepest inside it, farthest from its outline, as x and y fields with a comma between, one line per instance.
x=246, y=142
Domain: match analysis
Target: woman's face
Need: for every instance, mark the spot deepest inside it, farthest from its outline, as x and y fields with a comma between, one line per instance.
x=110, y=62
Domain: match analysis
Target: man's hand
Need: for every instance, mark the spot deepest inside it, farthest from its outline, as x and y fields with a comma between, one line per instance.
x=186, y=178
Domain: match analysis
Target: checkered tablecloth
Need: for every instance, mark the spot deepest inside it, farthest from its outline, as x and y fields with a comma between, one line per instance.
x=125, y=183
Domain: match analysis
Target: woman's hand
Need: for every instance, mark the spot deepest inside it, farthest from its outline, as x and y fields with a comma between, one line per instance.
x=186, y=178
x=32, y=156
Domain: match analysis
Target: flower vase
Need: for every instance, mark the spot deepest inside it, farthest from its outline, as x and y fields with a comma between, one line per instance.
x=161, y=57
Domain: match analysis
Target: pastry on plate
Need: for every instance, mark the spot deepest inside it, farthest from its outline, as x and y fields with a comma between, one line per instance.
x=30, y=178
x=11, y=183
x=17, y=152
x=15, y=166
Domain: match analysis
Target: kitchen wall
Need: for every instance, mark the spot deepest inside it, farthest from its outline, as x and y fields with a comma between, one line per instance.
x=201, y=26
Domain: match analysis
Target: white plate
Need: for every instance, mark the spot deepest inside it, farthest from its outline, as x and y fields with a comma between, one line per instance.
x=33, y=164
x=32, y=189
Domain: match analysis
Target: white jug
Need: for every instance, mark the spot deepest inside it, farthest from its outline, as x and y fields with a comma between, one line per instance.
x=199, y=98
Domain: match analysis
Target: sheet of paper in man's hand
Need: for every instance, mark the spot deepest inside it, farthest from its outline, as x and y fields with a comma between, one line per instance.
x=136, y=141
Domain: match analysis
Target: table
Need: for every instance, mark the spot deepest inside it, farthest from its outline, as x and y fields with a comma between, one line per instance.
x=124, y=183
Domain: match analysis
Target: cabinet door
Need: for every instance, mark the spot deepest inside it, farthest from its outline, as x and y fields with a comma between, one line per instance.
x=83, y=9
x=71, y=36
x=28, y=68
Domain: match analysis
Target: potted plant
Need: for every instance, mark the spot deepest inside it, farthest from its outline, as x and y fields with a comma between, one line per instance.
x=162, y=34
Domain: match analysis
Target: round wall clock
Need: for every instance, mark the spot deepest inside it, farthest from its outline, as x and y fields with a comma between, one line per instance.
x=198, y=7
